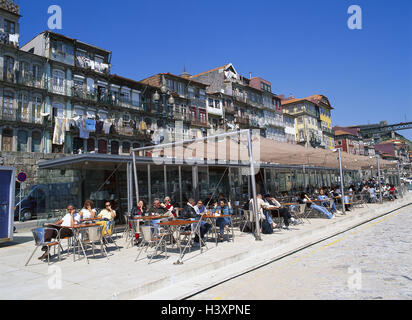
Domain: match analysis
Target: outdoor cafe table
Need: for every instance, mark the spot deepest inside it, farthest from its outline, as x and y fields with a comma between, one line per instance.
x=212, y=218
x=76, y=234
x=174, y=226
x=136, y=220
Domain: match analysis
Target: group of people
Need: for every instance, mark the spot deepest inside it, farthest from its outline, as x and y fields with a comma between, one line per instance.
x=73, y=217
x=192, y=210
x=370, y=189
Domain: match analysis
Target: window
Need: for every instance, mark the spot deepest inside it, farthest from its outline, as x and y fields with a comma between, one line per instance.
x=90, y=145
x=36, y=72
x=24, y=107
x=102, y=146
x=36, y=141
x=22, y=137
x=8, y=97
x=58, y=81
x=9, y=27
x=126, y=147
x=7, y=140
x=114, y=147
x=37, y=105
x=8, y=68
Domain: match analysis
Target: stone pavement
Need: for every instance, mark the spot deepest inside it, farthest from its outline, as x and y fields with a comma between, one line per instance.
x=122, y=278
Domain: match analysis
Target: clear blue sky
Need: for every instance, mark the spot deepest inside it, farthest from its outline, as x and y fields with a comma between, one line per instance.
x=303, y=47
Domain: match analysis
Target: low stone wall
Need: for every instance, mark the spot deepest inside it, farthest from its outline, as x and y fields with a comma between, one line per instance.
x=26, y=162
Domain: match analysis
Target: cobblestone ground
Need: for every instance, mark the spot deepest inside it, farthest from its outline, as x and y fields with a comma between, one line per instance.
x=373, y=261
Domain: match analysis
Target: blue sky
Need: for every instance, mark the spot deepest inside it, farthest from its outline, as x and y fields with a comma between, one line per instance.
x=303, y=47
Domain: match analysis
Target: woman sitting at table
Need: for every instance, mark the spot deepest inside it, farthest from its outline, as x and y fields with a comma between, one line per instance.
x=69, y=220
x=224, y=223
x=304, y=199
x=88, y=212
x=108, y=215
x=325, y=201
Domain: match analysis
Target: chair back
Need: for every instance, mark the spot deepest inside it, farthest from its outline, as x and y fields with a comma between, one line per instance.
x=302, y=208
x=147, y=233
x=38, y=235
x=95, y=234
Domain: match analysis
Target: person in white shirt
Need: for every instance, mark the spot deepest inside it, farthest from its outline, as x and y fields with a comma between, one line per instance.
x=87, y=212
x=63, y=227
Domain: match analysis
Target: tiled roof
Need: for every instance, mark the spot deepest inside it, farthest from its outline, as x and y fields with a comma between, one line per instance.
x=316, y=99
x=215, y=69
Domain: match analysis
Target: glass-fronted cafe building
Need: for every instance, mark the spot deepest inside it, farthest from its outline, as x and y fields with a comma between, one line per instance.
x=101, y=177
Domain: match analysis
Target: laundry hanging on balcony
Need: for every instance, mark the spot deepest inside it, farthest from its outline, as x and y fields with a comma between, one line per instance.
x=99, y=126
x=59, y=131
x=106, y=126
x=84, y=134
x=90, y=125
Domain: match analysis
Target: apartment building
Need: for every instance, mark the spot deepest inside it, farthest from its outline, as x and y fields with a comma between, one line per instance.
x=349, y=140
x=313, y=120
x=249, y=100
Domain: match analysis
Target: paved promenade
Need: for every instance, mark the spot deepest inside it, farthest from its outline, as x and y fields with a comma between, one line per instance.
x=122, y=278
x=370, y=262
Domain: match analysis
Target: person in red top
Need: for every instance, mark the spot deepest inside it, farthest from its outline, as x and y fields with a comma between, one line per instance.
x=392, y=191
x=168, y=205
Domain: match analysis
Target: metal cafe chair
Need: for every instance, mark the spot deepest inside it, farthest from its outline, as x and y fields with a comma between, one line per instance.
x=150, y=239
x=108, y=234
x=249, y=219
x=94, y=236
x=39, y=241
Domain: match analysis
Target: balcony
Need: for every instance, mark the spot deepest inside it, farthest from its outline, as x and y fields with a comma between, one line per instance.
x=197, y=122
x=27, y=79
x=15, y=115
x=9, y=39
x=84, y=94
x=88, y=64
x=242, y=120
x=230, y=109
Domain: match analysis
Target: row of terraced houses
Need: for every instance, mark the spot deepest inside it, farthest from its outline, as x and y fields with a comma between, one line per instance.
x=58, y=96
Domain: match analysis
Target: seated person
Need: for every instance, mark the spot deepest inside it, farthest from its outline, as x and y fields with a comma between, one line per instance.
x=88, y=212
x=209, y=202
x=224, y=223
x=284, y=212
x=261, y=206
x=393, y=192
x=107, y=213
x=304, y=199
x=137, y=212
x=158, y=209
x=64, y=226
x=192, y=211
x=372, y=194
x=170, y=209
x=325, y=201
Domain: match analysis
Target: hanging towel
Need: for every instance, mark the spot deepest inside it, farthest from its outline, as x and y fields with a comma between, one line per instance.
x=84, y=134
x=90, y=125
x=59, y=131
x=106, y=126
x=99, y=127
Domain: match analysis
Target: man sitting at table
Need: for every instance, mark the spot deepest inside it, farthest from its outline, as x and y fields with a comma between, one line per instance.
x=157, y=210
x=69, y=220
x=200, y=211
x=224, y=223
x=189, y=212
x=283, y=212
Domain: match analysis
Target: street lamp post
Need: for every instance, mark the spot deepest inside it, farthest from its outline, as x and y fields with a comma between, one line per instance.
x=342, y=185
x=379, y=178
